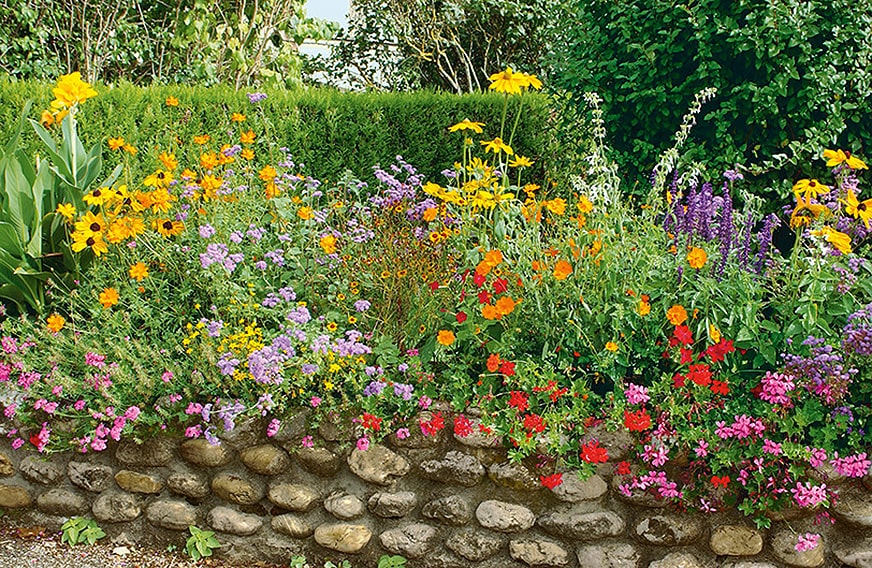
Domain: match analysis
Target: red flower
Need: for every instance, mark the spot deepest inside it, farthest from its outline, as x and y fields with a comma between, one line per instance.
x=534, y=423
x=683, y=335
x=493, y=363
x=720, y=481
x=371, y=422
x=500, y=285
x=507, y=368
x=720, y=387
x=478, y=279
x=717, y=351
x=637, y=421
x=433, y=426
x=518, y=399
x=757, y=390
x=678, y=380
x=686, y=356
x=592, y=452
x=623, y=468
x=700, y=374
x=484, y=297
x=462, y=426
x=551, y=481
x=434, y=286
x=484, y=429
x=460, y=317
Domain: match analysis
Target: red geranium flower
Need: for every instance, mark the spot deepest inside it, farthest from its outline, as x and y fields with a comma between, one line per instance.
x=720, y=387
x=592, y=452
x=478, y=279
x=683, y=335
x=371, y=422
x=534, y=423
x=623, y=468
x=433, y=426
x=500, y=285
x=686, y=356
x=551, y=481
x=462, y=426
x=637, y=421
x=507, y=368
x=484, y=297
x=518, y=399
x=461, y=317
x=700, y=374
x=678, y=380
x=720, y=481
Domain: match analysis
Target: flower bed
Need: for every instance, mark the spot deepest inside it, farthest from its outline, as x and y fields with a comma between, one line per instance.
x=215, y=291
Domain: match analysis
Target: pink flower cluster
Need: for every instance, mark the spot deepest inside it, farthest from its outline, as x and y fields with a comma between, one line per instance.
x=851, y=466
x=809, y=495
x=743, y=427
x=775, y=387
x=98, y=441
x=654, y=480
x=636, y=394
x=807, y=541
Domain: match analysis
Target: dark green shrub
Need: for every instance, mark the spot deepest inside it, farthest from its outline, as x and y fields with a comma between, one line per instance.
x=792, y=76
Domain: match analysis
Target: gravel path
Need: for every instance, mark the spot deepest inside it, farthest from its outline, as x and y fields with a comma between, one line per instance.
x=30, y=548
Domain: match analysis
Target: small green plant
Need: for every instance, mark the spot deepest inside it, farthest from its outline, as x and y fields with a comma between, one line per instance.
x=343, y=564
x=299, y=562
x=201, y=543
x=79, y=529
x=391, y=562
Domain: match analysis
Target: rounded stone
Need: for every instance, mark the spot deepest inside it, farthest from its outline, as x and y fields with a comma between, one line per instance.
x=154, y=452
x=62, y=502
x=514, y=476
x=91, y=477
x=201, y=452
x=455, y=468
x=291, y=525
x=343, y=537
x=854, y=507
x=189, y=484
x=6, y=467
x=582, y=522
x=116, y=507
x=40, y=470
x=783, y=545
x=237, y=489
x=855, y=555
x=736, y=540
x=537, y=552
x=667, y=529
x=319, y=461
x=392, y=505
x=614, y=555
x=677, y=560
x=227, y=520
x=412, y=541
x=575, y=490
x=171, y=514
x=138, y=482
x=377, y=464
x=344, y=507
x=265, y=459
x=504, y=517
x=293, y=497
x=14, y=496
x=452, y=510
x=474, y=545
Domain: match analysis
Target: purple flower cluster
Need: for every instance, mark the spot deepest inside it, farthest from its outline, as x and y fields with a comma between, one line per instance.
x=822, y=372
x=857, y=333
x=255, y=98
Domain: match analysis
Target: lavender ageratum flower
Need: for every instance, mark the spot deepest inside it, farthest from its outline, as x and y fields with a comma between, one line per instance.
x=232, y=261
x=227, y=364
x=215, y=252
x=299, y=315
x=255, y=233
x=287, y=293
x=210, y=436
x=260, y=265
x=308, y=368
x=857, y=333
x=733, y=175
x=255, y=98
x=236, y=237
x=374, y=388
x=403, y=391
x=276, y=256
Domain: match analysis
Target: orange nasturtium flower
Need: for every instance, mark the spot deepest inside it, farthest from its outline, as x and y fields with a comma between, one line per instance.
x=696, y=257
x=108, y=297
x=55, y=322
x=505, y=306
x=562, y=270
x=328, y=244
x=445, y=337
x=676, y=315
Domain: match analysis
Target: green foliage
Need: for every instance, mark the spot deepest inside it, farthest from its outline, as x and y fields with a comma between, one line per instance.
x=201, y=543
x=329, y=131
x=792, y=77
x=207, y=41
x=454, y=45
x=387, y=561
x=79, y=530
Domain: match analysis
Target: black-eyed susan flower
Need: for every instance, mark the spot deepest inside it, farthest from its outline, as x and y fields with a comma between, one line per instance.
x=810, y=188
x=91, y=224
x=858, y=209
x=836, y=157
x=168, y=227
x=95, y=242
x=66, y=210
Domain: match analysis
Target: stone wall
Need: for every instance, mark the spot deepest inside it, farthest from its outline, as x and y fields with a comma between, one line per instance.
x=440, y=502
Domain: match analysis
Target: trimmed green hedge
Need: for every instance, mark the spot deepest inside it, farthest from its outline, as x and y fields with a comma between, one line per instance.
x=330, y=131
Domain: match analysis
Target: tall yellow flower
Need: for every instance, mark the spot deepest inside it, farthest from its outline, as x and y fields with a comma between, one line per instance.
x=496, y=146
x=836, y=157
x=467, y=124
x=858, y=209
x=508, y=82
x=521, y=162
x=71, y=90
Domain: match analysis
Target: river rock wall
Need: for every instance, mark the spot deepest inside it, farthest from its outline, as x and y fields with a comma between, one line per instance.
x=440, y=501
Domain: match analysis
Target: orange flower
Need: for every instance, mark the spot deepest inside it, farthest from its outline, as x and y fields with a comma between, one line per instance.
x=247, y=137
x=562, y=270
x=493, y=362
x=696, y=257
x=505, y=306
x=490, y=312
x=644, y=308
x=445, y=337
x=172, y=102
x=108, y=297
x=676, y=315
x=612, y=346
x=55, y=322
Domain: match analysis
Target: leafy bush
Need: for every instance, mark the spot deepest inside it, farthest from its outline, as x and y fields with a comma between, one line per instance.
x=792, y=76
x=79, y=530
